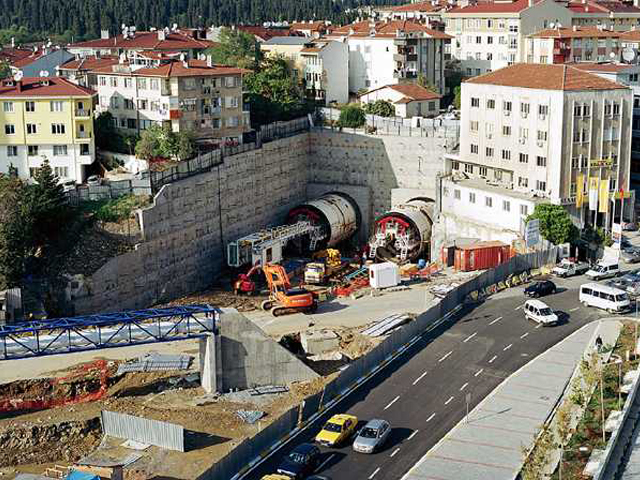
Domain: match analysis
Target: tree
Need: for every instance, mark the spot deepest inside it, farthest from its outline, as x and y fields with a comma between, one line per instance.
x=105, y=131
x=48, y=202
x=382, y=108
x=159, y=142
x=425, y=83
x=457, y=98
x=5, y=70
x=352, y=116
x=236, y=48
x=555, y=224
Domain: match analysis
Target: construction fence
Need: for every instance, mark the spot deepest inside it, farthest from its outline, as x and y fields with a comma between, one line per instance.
x=143, y=430
x=236, y=465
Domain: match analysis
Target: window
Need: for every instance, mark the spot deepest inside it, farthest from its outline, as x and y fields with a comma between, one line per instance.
x=59, y=150
x=488, y=202
x=506, y=106
x=524, y=210
x=61, y=172
x=541, y=161
x=128, y=82
x=456, y=194
x=524, y=109
x=455, y=165
x=468, y=168
x=506, y=205
x=132, y=123
x=506, y=154
x=506, y=130
x=543, y=110
x=113, y=82
x=115, y=102
x=7, y=107
x=523, y=182
x=189, y=83
x=469, y=72
x=84, y=149
x=542, y=136
x=9, y=129
x=233, y=122
x=32, y=129
x=489, y=40
x=483, y=171
x=513, y=42
x=575, y=162
x=142, y=104
x=473, y=125
x=489, y=24
x=12, y=150
x=478, y=39
x=541, y=186
x=502, y=40
x=489, y=152
x=607, y=109
x=32, y=150
x=633, y=78
x=489, y=57
x=232, y=102
x=478, y=71
x=128, y=104
x=142, y=83
x=475, y=102
x=523, y=158
x=57, y=128
x=474, y=148
x=616, y=109
x=472, y=197
x=102, y=81
x=488, y=128
x=497, y=175
x=56, y=106
x=30, y=106
x=154, y=84
x=513, y=28
x=574, y=188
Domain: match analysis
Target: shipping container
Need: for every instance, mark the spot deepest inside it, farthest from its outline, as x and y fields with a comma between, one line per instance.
x=384, y=275
x=481, y=256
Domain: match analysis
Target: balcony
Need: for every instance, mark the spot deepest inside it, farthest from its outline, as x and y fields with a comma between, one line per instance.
x=83, y=135
x=81, y=113
x=399, y=57
x=405, y=74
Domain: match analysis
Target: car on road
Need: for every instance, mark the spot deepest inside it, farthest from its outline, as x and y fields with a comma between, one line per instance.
x=337, y=430
x=603, y=270
x=540, y=289
x=276, y=476
x=539, y=312
x=608, y=298
x=372, y=436
x=301, y=462
x=568, y=268
x=630, y=255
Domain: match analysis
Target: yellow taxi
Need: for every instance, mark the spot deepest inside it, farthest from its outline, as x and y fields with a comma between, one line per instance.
x=275, y=476
x=337, y=430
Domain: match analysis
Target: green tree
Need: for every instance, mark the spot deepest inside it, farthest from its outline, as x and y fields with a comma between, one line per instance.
x=149, y=145
x=352, y=116
x=382, y=108
x=237, y=49
x=555, y=224
x=185, y=146
x=162, y=142
x=105, y=131
x=457, y=98
x=425, y=83
x=48, y=203
x=5, y=70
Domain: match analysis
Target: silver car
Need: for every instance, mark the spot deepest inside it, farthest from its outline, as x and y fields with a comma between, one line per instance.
x=372, y=436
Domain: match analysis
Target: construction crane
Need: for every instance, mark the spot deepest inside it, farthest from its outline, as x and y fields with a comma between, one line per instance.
x=284, y=299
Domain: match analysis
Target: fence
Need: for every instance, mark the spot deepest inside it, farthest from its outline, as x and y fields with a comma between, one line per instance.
x=153, y=432
x=112, y=189
x=237, y=464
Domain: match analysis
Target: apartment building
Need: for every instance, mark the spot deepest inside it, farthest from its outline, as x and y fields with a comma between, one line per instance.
x=80, y=70
x=46, y=117
x=573, y=44
x=326, y=71
x=491, y=35
x=311, y=28
x=290, y=48
x=189, y=95
x=537, y=133
x=392, y=52
x=428, y=13
x=616, y=15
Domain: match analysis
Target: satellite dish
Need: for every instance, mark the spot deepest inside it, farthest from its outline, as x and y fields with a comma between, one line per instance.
x=123, y=26
x=612, y=55
x=552, y=25
x=18, y=76
x=45, y=73
x=285, y=24
x=628, y=54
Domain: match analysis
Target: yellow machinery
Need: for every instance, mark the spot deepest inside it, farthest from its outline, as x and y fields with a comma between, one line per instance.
x=317, y=273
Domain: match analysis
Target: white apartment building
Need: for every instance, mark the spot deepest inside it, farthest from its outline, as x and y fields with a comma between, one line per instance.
x=428, y=13
x=491, y=35
x=392, y=52
x=191, y=95
x=531, y=132
x=616, y=15
x=326, y=71
x=573, y=44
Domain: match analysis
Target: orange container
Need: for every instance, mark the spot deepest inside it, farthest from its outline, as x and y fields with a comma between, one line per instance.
x=481, y=256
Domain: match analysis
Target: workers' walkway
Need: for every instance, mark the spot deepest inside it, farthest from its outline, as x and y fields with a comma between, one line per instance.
x=490, y=445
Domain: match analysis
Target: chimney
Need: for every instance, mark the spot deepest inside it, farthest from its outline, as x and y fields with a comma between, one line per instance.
x=104, y=34
x=161, y=35
x=98, y=54
x=575, y=28
x=13, y=42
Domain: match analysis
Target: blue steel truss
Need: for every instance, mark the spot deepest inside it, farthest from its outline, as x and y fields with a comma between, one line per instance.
x=108, y=330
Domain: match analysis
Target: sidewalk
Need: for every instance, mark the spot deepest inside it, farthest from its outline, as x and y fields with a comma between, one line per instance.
x=491, y=445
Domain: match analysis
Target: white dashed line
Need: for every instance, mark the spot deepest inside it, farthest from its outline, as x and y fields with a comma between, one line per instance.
x=431, y=417
x=448, y=401
x=496, y=320
x=469, y=337
x=538, y=326
x=392, y=402
x=507, y=347
x=419, y=378
x=517, y=308
x=493, y=359
x=445, y=357
x=413, y=434
x=574, y=309
x=524, y=335
x=324, y=463
x=464, y=386
x=394, y=452
x=478, y=372
x=374, y=473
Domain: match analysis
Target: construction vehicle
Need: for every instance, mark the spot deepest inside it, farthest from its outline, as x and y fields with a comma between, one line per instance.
x=284, y=299
x=317, y=273
x=244, y=283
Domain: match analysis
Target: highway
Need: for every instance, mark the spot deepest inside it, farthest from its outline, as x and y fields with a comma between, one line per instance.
x=422, y=394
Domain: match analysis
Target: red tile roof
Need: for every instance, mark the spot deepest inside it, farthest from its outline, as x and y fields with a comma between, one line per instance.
x=545, y=77
x=576, y=32
x=387, y=29
x=600, y=7
x=12, y=54
x=411, y=92
x=631, y=35
x=316, y=26
x=601, y=67
x=33, y=87
x=179, y=40
x=196, y=68
x=418, y=7
x=267, y=33
x=24, y=61
x=493, y=7
x=89, y=63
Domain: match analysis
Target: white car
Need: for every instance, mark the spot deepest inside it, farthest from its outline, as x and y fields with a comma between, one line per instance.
x=539, y=312
x=94, y=180
x=68, y=185
x=603, y=270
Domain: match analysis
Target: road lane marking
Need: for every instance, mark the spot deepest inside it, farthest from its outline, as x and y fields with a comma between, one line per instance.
x=517, y=308
x=493, y=359
x=413, y=434
x=448, y=401
x=374, y=473
x=392, y=402
x=574, y=309
x=464, y=386
x=524, y=335
x=419, y=378
x=445, y=357
x=507, y=347
x=479, y=372
x=320, y=467
x=538, y=326
x=394, y=452
x=469, y=337
x=431, y=417
x=496, y=320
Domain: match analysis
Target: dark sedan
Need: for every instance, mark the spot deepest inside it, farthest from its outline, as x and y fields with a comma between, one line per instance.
x=301, y=462
x=540, y=289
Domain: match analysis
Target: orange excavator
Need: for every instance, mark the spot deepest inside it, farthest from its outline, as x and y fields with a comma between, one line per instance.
x=284, y=299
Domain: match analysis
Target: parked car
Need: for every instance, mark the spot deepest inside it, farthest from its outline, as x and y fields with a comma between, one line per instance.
x=94, y=180
x=337, y=430
x=300, y=462
x=68, y=185
x=604, y=269
x=539, y=289
x=276, y=476
x=630, y=255
x=539, y=312
x=372, y=436
x=629, y=226
x=568, y=268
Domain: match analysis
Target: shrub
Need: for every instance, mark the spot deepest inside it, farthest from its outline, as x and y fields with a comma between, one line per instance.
x=382, y=108
x=352, y=116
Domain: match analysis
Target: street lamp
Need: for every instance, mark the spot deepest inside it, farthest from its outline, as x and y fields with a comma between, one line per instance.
x=562, y=450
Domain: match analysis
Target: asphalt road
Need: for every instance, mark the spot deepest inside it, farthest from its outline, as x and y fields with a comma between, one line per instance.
x=422, y=394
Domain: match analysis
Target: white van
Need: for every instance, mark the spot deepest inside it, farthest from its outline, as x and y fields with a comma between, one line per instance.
x=602, y=270
x=608, y=298
x=539, y=312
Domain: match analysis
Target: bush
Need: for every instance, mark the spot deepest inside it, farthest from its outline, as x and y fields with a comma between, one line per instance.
x=352, y=116
x=382, y=108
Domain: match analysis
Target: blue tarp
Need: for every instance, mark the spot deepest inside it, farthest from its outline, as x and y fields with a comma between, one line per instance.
x=76, y=475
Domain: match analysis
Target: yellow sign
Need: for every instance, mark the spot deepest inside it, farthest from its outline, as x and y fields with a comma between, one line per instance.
x=619, y=195
x=579, y=190
x=601, y=162
x=604, y=196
